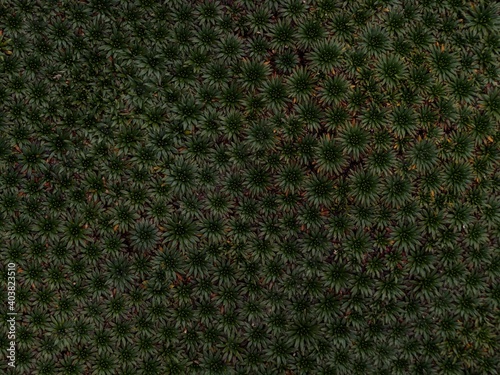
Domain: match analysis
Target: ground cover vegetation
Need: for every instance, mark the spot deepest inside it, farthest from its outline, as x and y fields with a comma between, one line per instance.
x=251, y=187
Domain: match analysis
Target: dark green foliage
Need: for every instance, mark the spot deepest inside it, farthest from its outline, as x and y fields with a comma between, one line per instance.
x=390, y=71
x=365, y=186
x=275, y=93
x=325, y=56
x=330, y=158
x=271, y=187
x=443, y=62
x=334, y=90
x=300, y=84
x=354, y=140
x=483, y=17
